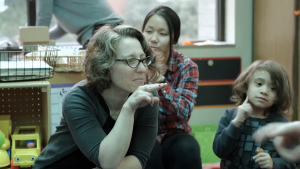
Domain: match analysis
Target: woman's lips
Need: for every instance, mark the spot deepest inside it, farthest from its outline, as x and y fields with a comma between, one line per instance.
x=139, y=80
x=154, y=48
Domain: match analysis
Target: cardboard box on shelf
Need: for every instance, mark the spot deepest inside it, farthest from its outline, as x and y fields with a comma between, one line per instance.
x=49, y=43
x=29, y=34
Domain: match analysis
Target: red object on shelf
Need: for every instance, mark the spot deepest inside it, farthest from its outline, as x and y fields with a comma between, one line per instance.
x=12, y=165
x=212, y=166
x=188, y=43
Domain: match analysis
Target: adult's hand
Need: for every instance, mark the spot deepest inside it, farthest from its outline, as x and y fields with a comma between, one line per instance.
x=143, y=96
x=286, y=138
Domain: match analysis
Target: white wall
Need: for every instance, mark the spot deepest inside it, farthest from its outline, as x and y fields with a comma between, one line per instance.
x=242, y=48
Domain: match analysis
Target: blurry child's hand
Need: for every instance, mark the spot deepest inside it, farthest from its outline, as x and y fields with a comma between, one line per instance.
x=264, y=160
x=242, y=113
x=286, y=138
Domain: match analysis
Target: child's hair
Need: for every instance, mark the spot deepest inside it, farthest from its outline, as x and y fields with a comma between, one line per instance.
x=280, y=80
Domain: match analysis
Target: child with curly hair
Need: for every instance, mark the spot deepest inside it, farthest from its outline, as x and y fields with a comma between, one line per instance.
x=263, y=94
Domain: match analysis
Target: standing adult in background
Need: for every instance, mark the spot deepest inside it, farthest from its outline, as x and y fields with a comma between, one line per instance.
x=80, y=17
x=175, y=147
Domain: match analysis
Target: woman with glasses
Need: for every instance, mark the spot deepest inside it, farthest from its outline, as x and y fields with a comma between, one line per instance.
x=175, y=147
x=108, y=120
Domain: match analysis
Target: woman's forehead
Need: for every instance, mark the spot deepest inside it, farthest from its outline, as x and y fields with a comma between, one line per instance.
x=128, y=47
x=157, y=22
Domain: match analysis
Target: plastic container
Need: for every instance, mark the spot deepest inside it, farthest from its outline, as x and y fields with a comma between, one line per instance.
x=27, y=63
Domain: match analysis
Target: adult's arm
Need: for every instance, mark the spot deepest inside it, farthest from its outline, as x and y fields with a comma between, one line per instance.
x=79, y=112
x=180, y=99
x=143, y=138
x=130, y=162
x=56, y=32
x=114, y=146
x=44, y=16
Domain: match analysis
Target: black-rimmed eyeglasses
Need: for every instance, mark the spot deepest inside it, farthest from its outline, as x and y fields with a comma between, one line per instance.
x=134, y=62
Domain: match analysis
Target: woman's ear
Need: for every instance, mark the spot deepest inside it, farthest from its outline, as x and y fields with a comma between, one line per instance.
x=107, y=72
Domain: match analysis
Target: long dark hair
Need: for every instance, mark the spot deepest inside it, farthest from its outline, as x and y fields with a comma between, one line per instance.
x=172, y=20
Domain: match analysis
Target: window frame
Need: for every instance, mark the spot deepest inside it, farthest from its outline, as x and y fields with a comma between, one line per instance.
x=31, y=12
x=220, y=26
x=220, y=18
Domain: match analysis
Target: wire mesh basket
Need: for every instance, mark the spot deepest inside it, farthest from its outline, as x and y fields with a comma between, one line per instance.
x=27, y=63
x=67, y=62
x=69, y=58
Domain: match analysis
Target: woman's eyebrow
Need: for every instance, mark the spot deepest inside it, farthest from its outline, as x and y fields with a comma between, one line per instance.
x=134, y=56
x=148, y=26
x=160, y=29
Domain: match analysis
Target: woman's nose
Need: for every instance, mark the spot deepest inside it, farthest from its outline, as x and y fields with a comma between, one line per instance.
x=141, y=68
x=154, y=38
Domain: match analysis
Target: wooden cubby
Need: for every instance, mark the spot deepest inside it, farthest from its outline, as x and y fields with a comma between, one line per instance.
x=28, y=103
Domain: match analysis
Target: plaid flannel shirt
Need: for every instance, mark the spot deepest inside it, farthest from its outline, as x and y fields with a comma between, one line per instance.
x=182, y=77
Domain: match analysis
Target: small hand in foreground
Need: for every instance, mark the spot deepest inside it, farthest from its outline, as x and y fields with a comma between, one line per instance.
x=264, y=160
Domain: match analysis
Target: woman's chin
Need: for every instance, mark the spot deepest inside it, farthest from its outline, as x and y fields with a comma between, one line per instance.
x=135, y=86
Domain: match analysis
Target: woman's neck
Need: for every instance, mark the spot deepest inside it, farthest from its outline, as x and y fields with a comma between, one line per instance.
x=162, y=57
x=114, y=99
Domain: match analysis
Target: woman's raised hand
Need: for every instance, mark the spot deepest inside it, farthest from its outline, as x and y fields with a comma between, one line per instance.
x=143, y=96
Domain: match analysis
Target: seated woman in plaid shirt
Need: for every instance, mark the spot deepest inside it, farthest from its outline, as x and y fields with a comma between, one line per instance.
x=175, y=147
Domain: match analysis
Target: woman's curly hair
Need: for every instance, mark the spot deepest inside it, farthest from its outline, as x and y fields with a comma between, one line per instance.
x=101, y=54
x=280, y=80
